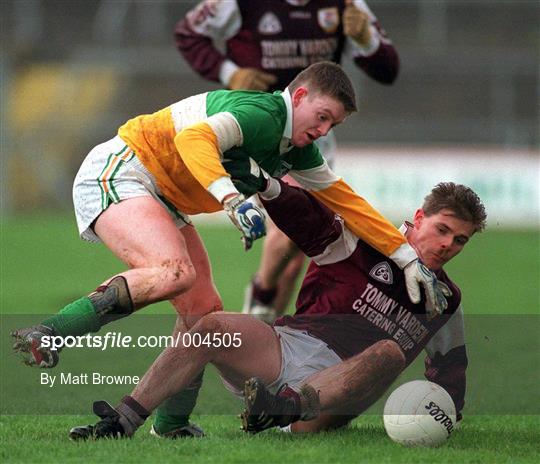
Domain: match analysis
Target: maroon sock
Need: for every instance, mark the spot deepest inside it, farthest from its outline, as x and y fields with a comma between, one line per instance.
x=136, y=407
x=288, y=392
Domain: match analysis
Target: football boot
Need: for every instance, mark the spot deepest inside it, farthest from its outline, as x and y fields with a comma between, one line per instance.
x=265, y=410
x=27, y=344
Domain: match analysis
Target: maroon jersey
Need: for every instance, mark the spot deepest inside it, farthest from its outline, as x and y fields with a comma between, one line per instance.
x=352, y=296
x=280, y=37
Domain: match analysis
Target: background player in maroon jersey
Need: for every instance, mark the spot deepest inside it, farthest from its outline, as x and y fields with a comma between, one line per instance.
x=266, y=44
x=353, y=333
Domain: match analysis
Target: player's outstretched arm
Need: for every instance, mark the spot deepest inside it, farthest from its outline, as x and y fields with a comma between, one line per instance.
x=377, y=231
x=300, y=216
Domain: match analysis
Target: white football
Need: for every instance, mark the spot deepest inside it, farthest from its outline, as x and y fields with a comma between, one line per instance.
x=419, y=413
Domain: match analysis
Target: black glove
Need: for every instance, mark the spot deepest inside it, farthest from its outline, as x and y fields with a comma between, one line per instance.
x=247, y=176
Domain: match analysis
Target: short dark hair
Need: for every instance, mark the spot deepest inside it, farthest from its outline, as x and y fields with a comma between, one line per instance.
x=330, y=79
x=460, y=199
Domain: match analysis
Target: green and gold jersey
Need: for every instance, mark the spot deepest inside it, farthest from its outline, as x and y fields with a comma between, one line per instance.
x=183, y=146
x=263, y=123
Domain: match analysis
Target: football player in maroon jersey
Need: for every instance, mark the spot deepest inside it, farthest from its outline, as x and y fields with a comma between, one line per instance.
x=353, y=333
x=267, y=43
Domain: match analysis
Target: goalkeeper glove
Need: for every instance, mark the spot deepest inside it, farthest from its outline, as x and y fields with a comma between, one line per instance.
x=247, y=218
x=251, y=79
x=416, y=274
x=356, y=24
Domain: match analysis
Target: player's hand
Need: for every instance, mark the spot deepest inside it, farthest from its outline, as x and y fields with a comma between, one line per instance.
x=251, y=79
x=247, y=218
x=416, y=274
x=356, y=24
x=247, y=176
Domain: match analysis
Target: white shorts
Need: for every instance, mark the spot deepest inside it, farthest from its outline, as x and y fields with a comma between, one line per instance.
x=109, y=174
x=301, y=356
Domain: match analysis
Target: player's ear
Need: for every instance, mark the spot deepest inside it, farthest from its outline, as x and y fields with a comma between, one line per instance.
x=298, y=95
x=418, y=217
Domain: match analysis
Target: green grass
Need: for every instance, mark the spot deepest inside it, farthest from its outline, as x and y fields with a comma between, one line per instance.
x=481, y=439
x=43, y=265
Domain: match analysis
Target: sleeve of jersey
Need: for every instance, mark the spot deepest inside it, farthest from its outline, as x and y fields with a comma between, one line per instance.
x=197, y=33
x=378, y=59
x=446, y=361
x=360, y=217
x=199, y=147
x=314, y=229
x=383, y=65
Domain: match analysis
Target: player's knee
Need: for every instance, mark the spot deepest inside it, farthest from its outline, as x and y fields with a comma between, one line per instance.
x=201, y=301
x=203, y=308
x=210, y=324
x=394, y=359
x=178, y=276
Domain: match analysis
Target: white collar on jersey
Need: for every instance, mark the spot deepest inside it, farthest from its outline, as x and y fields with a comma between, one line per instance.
x=406, y=227
x=285, y=144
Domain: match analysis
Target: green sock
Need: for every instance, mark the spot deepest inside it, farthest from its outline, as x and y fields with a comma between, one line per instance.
x=77, y=318
x=174, y=412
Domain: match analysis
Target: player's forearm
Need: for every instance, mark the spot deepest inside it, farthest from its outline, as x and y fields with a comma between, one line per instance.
x=199, y=51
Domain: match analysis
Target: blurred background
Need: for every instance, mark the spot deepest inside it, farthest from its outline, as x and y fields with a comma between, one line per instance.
x=466, y=102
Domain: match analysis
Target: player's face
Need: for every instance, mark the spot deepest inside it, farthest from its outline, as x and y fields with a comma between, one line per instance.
x=439, y=237
x=313, y=116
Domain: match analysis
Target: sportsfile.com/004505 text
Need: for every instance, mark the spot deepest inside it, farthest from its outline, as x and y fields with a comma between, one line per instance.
x=119, y=340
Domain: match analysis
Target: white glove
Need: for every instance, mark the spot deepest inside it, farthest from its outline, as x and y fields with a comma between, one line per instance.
x=248, y=219
x=416, y=274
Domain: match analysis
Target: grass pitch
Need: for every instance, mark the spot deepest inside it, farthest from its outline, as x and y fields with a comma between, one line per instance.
x=44, y=266
x=481, y=439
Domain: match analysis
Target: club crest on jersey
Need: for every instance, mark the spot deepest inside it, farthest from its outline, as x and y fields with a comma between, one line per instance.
x=269, y=24
x=383, y=273
x=328, y=19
